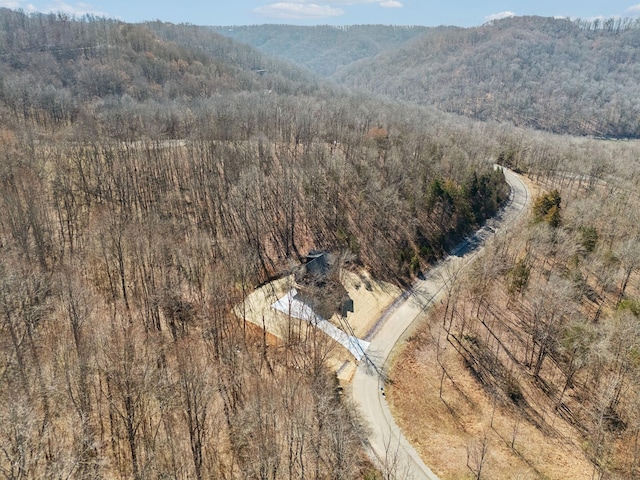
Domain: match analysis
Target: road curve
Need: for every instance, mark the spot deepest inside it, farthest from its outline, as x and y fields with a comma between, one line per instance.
x=396, y=456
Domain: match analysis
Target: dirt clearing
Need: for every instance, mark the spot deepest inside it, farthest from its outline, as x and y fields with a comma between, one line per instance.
x=370, y=299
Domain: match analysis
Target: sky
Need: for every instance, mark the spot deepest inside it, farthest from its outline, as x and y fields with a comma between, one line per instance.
x=464, y=13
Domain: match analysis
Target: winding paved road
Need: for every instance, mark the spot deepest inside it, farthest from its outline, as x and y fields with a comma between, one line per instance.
x=386, y=440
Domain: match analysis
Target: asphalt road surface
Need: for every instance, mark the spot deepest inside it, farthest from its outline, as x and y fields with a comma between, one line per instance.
x=396, y=456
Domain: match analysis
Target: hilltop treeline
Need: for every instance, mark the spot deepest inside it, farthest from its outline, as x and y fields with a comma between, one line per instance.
x=145, y=188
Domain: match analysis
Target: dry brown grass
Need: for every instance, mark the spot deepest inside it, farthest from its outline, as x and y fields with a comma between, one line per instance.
x=443, y=429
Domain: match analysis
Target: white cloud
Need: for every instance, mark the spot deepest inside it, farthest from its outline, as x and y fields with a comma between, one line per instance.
x=499, y=16
x=634, y=8
x=58, y=6
x=391, y=4
x=382, y=3
x=345, y=2
x=298, y=10
x=17, y=4
x=307, y=9
x=75, y=9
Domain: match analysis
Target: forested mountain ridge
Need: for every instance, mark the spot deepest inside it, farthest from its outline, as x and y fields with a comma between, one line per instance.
x=558, y=75
x=551, y=74
x=119, y=75
x=322, y=49
x=150, y=177
x=103, y=79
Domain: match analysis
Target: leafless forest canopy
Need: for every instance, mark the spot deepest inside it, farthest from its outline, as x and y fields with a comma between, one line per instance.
x=547, y=318
x=558, y=75
x=152, y=175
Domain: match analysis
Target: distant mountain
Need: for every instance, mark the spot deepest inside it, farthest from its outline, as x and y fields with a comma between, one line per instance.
x=323, y=49
x=552, y=74
x=558, y=75
x=235, y=52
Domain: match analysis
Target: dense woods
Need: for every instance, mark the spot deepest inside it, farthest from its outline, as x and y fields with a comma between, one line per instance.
x=151, y=176
x=551, y=74
x=147, y=184
x=559, y=75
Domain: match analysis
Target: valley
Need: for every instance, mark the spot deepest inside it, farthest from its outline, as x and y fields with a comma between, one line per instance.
x=165, y=190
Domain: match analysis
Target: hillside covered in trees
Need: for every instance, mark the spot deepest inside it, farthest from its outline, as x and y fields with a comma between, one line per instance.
x=557, y=75
x=122, y=81
x=153, y=175
x=545, y=324
x=148, y=182
x=323, y=49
